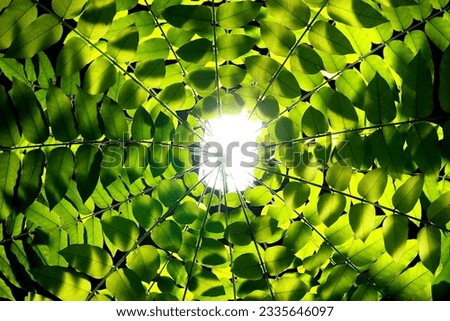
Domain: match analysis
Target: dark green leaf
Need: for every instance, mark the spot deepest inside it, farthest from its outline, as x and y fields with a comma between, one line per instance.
x=88, y=117
x=388, y=148
x=122, y=47
x=422, y=140
x=9, y=132
x=379, y=101
x=373, y=184
x=198, y=51
x=247, y=266
x=285, y=129
x=114, y=119
x=142, y=126
x=9, y=168
x=60, y=166
x=417, y=89
x=151, y=72
x=444, y=82
x=30, y=114
x=146, y=210
x=174, y=96
x=73, y=57
x=30, y=178
x=439, y=211
x=131, y=95
x=195, y=18
x=314, y=122
x=232, y=46
x=277, y=259
x=341, y=113
x=278, y=38
x=59, y=109
x=306, y=60
x=87, y=169
x=169, y=192
x=339, y=281
x=289, y=288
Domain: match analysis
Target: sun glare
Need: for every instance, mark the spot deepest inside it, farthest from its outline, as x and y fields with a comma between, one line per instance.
x=231, y=142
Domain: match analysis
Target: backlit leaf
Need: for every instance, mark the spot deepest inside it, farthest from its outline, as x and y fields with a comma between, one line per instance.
x=328, y=38
x=395, y=235
x=407, y=195
x=60, y=167
x=125, y=285
x=247, y=266
x=88, y=159
x=167, y=236
x=355, y=13
x=9, y=168
x=429, y=239
x=121, y=231
x=236, y=14
x=92, y=260
x=330, y=207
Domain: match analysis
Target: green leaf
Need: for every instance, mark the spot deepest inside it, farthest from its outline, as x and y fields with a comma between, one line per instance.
x=111, y=166
x=136, y=161
x=30, y=114
x=131, y=95
x=232, y=46
x=429, y=239
x=352, y=84
x=339, y=281
x=145, y=262
x=59, y=109
x=406, y=197
x=151, y=72
x=330, y=207
x=17, y=16
x=417, y=89
x=212, y=252
x=277, y=259
x=122, y=232
x=341, y=113
x=123, y=46
x=73, y=57
x=286, y=129
x=264, y=229
x=192, y=18
x=237, y=14
x=9, y=132
x=125, y=285
x=395, y=235
x=60, y=166
x=146, y=210
x=444, y=81
x=238, y=233
x=397, y=3
x=9, y=168
x=438, y=31
x=293, y=14
x=261, y=68
x=87, y=169
x=388, y=148
x=174, y=96
x=306, y=60
x=30, y=178
x=258, y=196
x=100, y=76
x=42, y=33
x=379, y=101
x=88, y=117
x=362, y=220
x=142, y=126
x=440, y=287
x=295, y=194
x=62, y=282
x=5, y=291
x=268, y=108
x=68, y=9
x=297, y=236
x=439, y=211
x=289, y=288
x=114, y=119
x=207, y=284
x=13, y=69
x=247, y=266
x=198, y=51
x=170, y=192
x=167, y=236
x=96, y=19
x=202, y=79
x=355, y=13
x=277, y=37
x=422, y=140
x=314, y=122
x=328, y=38
x=338, y=176
x=92, y=260
x=413, y=284
x=286, y=85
